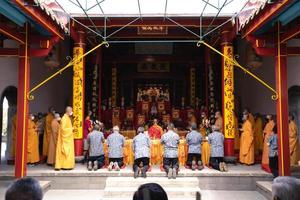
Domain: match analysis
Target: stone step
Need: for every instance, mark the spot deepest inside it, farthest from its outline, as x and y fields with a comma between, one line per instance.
x=163, y=181
x=46, y=185
x=130, y=198
x=127, y=192
x=264, y=188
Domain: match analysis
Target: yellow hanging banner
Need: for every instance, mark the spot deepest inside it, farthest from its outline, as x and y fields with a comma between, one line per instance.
x=228, y=87
x=78, y=93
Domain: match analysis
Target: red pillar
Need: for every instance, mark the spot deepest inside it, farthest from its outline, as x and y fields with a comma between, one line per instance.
x=22, y=109
x=282, y=109
x=79, y=49
x=228, y=94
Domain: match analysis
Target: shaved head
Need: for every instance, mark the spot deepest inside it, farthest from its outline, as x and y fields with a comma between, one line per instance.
x=69, y=110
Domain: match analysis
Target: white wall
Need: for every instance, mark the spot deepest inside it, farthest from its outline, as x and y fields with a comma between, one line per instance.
x=8, y=69
x=57, y=92
x=253, y=94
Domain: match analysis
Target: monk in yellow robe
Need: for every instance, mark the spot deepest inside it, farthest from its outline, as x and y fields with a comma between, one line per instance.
x=47, y=131
x=251, y=117
x=236, y=134
x=202, y=126
x=14, y=135
x=219, y=121
x=193, y=119
x=266, y=134
x=294, y=142
x=33, y=155
x=53, y=139
x=252, y=120
x=155, y=131
x=258, y=134
x=247, y=142
x=65, y=155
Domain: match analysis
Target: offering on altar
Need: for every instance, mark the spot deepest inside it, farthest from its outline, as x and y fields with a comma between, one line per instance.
x=153, y=94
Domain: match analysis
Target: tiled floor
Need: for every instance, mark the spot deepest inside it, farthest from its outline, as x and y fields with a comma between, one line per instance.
x=205, y=194
x=232, y=195
x=73, y=194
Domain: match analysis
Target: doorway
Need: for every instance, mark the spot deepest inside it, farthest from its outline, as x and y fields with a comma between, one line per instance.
x=8, y=109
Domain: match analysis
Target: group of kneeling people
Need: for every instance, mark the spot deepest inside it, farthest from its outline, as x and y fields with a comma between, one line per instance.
x=141, y=145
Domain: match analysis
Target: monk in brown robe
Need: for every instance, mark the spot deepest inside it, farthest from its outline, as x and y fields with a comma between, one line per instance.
x=247, y=142
x=294, y=142
x=47, y=131
x=258, y=134
x=33, y=155
x=53, y=139
x=267, y=132
x=219, y=121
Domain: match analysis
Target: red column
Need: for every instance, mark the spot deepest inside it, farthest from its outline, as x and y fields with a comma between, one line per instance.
x=78, y=141
x=282, y=109
x=22, y=109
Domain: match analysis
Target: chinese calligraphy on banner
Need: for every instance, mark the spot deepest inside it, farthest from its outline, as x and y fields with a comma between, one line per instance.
x=78, y=93
x=228, y=101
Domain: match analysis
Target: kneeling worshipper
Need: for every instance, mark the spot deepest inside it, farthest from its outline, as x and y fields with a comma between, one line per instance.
x=115, y=142
x=141, y=147
x=33, y=155
x=170, y=140
x=267, y=132
x=65, y=156
x=294, y=142
x=55, y=126
x=87, y=128
x=247, y=142
x=216, y=141
x=194, y=139
x=155, y=131
x=95, y=140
